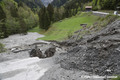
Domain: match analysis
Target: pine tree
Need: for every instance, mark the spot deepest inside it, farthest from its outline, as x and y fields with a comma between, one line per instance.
x=47, y=21
x=41, y=17
x=94, y=2
x=50, y=10
x=56, y=14
x=13, y=11
x=23, y=26
x=99, y=4
x=44, y=20
x=3, y=28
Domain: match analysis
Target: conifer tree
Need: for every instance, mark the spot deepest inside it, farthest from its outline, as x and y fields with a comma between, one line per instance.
x=50, y=10
x=13, y=11
x=3, y=28
x=23, y=26
x=44, y=20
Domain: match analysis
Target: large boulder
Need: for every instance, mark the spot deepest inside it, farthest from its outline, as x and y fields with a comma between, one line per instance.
x=36, y=53
x=50, y=52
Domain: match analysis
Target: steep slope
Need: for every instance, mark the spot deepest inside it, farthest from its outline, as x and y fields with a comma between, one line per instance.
x=94, y=53
x=31, y=3
x=67, y=27
x=59, y=3
x=46, y=2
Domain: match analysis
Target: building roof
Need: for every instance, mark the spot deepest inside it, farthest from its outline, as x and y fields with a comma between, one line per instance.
x=88, y=6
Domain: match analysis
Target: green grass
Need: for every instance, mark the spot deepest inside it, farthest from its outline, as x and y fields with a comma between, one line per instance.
x=61, y=30
x=37, y=29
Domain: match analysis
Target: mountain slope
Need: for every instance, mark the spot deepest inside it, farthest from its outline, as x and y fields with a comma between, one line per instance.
x=59, y=3
x=67, y=27
x=95, y=57
x=31, y=3
x=46, y=2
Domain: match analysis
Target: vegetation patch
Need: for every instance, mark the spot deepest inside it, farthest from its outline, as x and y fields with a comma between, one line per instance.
x=63, y=29
x=16, y=18
x=97, y=25
x=37, y=29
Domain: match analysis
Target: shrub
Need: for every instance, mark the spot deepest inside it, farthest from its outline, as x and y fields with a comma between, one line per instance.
x=95, y=8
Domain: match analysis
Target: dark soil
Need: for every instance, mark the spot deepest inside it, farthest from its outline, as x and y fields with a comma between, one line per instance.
x=96, y=52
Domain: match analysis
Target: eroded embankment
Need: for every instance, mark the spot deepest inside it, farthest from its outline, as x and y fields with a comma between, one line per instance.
x=91, y=55
x=94, y=53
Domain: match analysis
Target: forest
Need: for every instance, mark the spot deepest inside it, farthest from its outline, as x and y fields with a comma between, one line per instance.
x=18, y=16
x=60, y=9
x=105, y=4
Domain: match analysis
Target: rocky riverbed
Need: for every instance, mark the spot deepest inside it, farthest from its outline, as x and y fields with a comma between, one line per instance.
x=86, y=59
x=19, y=65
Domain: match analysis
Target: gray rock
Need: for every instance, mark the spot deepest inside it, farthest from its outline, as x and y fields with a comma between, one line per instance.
x=96, y=52
x=50, y=52
x=36, y=53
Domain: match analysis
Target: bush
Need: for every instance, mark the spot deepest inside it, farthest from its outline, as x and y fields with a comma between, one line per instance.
x=95, y=8
x=18, y=19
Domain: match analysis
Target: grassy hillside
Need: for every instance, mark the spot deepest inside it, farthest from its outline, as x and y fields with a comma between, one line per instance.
x=38, y=30
x=60, y=30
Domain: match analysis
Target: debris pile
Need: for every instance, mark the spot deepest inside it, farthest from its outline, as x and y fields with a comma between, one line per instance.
x=96, y=52
x=36, y=52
